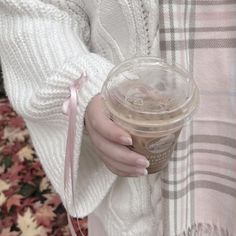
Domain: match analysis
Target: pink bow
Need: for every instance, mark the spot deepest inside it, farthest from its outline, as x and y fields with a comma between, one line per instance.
x=70, y=107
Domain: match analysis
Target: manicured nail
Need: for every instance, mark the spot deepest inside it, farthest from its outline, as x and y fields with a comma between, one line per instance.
x=143, y=162
x=126, y=140
x=142, y=171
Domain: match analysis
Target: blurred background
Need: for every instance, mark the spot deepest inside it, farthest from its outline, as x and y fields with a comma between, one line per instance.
x=2, y=93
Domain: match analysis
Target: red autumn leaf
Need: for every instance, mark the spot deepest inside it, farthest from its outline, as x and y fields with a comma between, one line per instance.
x=37, y=169
x=15, y=158
x=15, y=170
x=7, y=150
x=52, y=200
x=16, y=122
x=84, y=223
x=36, y=165
x=12, y=190
x=29, y=201
x=4, y=108
x=11, y=149
x=16, y=147
x=14, y=200
x=1, y=133
x=28, y=177
x=8, y=232
x=45, y=216
x=3, y=122
x=8, y=222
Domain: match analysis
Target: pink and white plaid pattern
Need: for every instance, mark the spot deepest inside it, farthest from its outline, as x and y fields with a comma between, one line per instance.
x=200, y=184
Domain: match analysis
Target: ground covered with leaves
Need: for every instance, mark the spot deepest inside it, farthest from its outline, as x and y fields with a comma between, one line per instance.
x=28, y=204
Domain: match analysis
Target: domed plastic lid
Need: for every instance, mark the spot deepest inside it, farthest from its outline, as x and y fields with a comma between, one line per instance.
x=148, y=89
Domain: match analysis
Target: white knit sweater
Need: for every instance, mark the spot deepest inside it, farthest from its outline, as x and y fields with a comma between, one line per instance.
x=44, y=46
x=43, y=49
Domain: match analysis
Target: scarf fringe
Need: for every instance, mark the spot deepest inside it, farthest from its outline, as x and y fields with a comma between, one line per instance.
x=205, y=230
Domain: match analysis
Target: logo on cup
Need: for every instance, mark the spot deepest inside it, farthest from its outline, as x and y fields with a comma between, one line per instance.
x=161, y=145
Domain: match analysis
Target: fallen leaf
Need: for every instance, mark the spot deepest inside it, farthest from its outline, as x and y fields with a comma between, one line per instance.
x=28, y=225
x=1, y=131
x=45, y=215
x=8, y=232
x=53, y=199
x=27, y=189
x=26, y=153
x=4, y=185
x=65, y=231
x=7, y=150
x=2, y=198
x=14, y=171
x=4, y=108
x=2, y=169
x=44, y=184
x=7, y=221
x=12, y=190
x=37, y=169
x=16, y=122
x=29, y=201
x=14, y=200
x=14, y=134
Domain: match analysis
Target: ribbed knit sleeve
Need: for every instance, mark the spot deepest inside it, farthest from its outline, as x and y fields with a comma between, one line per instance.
x=42, y=51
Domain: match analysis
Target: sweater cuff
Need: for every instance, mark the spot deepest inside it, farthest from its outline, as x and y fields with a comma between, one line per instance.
x=92, y=179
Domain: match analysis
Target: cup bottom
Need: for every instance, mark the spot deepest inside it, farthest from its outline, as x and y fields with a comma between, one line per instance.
x=157, y=150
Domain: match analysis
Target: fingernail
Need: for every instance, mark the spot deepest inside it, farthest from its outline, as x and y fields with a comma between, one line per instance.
x=143, y=162
x=142, y=171
x=126, y=140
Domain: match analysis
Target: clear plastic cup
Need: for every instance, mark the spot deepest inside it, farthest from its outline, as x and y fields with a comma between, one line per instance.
x=152, y=100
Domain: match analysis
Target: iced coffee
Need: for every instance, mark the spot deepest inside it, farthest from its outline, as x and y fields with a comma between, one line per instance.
x=152, y=101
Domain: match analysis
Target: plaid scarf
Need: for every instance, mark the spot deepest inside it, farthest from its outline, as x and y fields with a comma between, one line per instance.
x=200, y=184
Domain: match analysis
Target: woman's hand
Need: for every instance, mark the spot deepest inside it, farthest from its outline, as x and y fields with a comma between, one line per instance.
x=111, y=142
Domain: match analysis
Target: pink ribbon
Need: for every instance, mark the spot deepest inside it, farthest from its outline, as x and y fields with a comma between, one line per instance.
x=70, y=107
